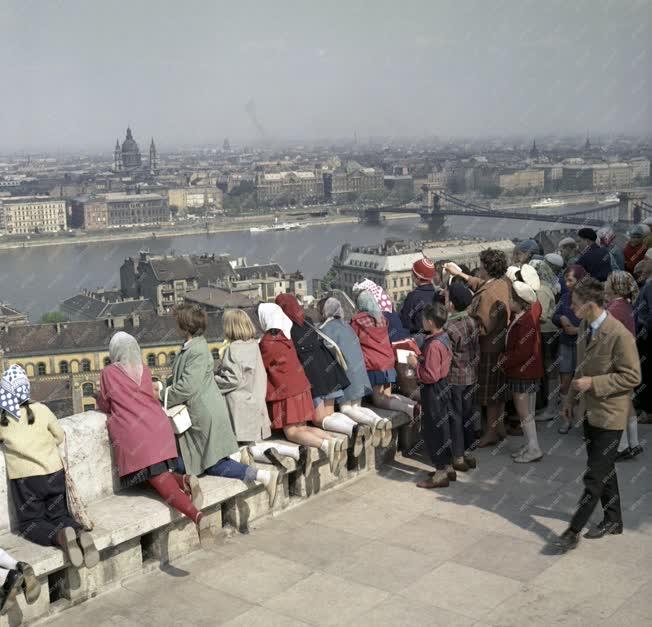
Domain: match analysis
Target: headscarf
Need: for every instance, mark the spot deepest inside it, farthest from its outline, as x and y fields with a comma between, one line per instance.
x=332, y=309
x=291, y=307
x=125, y=353
x=623, y=285
x=271, y=316
x=606, y=236
x=383, y=300
x=14, y=390
x=545, y=272
x=367, y=303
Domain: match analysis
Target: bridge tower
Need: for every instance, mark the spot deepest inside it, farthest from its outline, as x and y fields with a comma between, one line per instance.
x=629, y=209
x=434, y=205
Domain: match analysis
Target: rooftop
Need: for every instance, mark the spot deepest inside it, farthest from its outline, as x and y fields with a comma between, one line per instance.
x=87, y=335
x=218, y=298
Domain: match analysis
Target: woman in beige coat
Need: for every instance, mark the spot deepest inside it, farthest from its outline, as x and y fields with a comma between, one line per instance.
x=242, y=379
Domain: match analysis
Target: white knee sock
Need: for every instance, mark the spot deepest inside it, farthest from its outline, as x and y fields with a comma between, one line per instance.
x=287, y=450
x=258, y=451
x=3, y=575
x=6, y=561
x=624, y=439
x=358, y=414
x=264, y=476
x=339, y=423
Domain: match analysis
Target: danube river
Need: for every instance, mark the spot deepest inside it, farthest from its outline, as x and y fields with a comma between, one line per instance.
x=36, y=280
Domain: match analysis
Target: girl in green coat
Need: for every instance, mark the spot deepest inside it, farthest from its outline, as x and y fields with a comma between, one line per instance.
x=205, y=447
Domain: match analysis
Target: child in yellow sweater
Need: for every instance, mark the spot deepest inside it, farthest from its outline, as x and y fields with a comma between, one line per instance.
x=30, y=434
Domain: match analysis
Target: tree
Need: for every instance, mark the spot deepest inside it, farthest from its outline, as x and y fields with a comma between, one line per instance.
x=50, y=317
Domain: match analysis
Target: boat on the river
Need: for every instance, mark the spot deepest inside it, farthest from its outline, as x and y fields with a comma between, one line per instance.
x=607, y=200
x=547, y=202
x=284, y=226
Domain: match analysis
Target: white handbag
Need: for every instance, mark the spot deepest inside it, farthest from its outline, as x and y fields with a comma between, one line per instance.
x=178, y=415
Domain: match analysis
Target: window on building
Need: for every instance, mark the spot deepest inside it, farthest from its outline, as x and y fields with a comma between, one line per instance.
x=107, y=361
x=87, y=389
x=151, y=360
x=85, y=365
x=63, y=367
x=393, y=282
x=40, y=369
x=215, y=353
x=171, y=357
x=89, y=407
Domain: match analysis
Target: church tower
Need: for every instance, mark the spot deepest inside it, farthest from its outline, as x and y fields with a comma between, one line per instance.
x=534, y=152
x=153, y=158
x=117, y=157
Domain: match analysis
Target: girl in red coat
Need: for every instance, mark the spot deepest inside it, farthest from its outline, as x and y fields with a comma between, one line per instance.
x=371, y=328
x=523, y=366
x=289, y=400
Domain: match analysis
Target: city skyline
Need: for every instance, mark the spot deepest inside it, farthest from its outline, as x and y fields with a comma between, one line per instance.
x=193, y=74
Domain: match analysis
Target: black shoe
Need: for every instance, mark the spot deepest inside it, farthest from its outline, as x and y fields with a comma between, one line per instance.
x=637, y=450
x=568, y=540
x=305, y=461
x=31, y=584
x=624, y=455
x=602, y=529
x=275, y=459
x=10, y=588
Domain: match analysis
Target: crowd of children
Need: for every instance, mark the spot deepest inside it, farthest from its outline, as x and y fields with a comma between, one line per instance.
x=474, y=340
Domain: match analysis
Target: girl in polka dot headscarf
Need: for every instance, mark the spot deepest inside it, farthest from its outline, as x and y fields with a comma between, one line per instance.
x=14, y=392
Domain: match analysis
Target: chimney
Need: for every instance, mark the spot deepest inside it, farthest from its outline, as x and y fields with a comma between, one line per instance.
x=135, y=320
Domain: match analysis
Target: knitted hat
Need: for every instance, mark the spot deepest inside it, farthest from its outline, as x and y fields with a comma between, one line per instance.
x=527, y=246
x=555, y=259
x=587, y=233
x=606, y=236
x=524, y=292
x=424, y=269
x=460, y=295
x=567, y=241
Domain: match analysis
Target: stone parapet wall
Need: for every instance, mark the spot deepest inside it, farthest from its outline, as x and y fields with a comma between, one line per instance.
x=135, y=530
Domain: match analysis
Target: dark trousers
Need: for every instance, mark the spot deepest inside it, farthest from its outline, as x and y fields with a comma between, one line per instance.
x=41, y=507
x=600, y=481
x=225, y=467
x=462, y=423
x=435, y=422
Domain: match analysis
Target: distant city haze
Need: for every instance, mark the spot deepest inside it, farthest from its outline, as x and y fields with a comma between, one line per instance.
x=75, y=73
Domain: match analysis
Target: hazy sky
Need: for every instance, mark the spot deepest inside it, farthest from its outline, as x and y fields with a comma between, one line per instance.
x=74, y=73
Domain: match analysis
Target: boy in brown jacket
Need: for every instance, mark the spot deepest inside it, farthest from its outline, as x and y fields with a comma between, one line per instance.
x=608, y=369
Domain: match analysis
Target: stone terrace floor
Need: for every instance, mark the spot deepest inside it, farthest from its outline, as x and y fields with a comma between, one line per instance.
x=379, y=551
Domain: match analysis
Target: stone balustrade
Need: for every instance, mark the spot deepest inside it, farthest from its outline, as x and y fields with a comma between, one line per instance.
x=136, y=531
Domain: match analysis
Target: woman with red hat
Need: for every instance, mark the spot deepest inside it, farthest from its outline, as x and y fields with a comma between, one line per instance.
x=423, y=273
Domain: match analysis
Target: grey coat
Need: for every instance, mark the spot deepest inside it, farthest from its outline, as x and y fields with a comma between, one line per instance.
x=210, y=438
x=344, y=336
x=243, y=381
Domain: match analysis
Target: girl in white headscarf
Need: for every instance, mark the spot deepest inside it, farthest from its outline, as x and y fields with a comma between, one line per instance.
x=289, y=399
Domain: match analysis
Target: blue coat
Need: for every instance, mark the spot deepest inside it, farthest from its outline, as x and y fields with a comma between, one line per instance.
x=343, y=335
x=596, y=260
x=415, y=303
x=564, y=309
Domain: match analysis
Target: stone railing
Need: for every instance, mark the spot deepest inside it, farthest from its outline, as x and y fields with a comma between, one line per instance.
x=135, y=530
